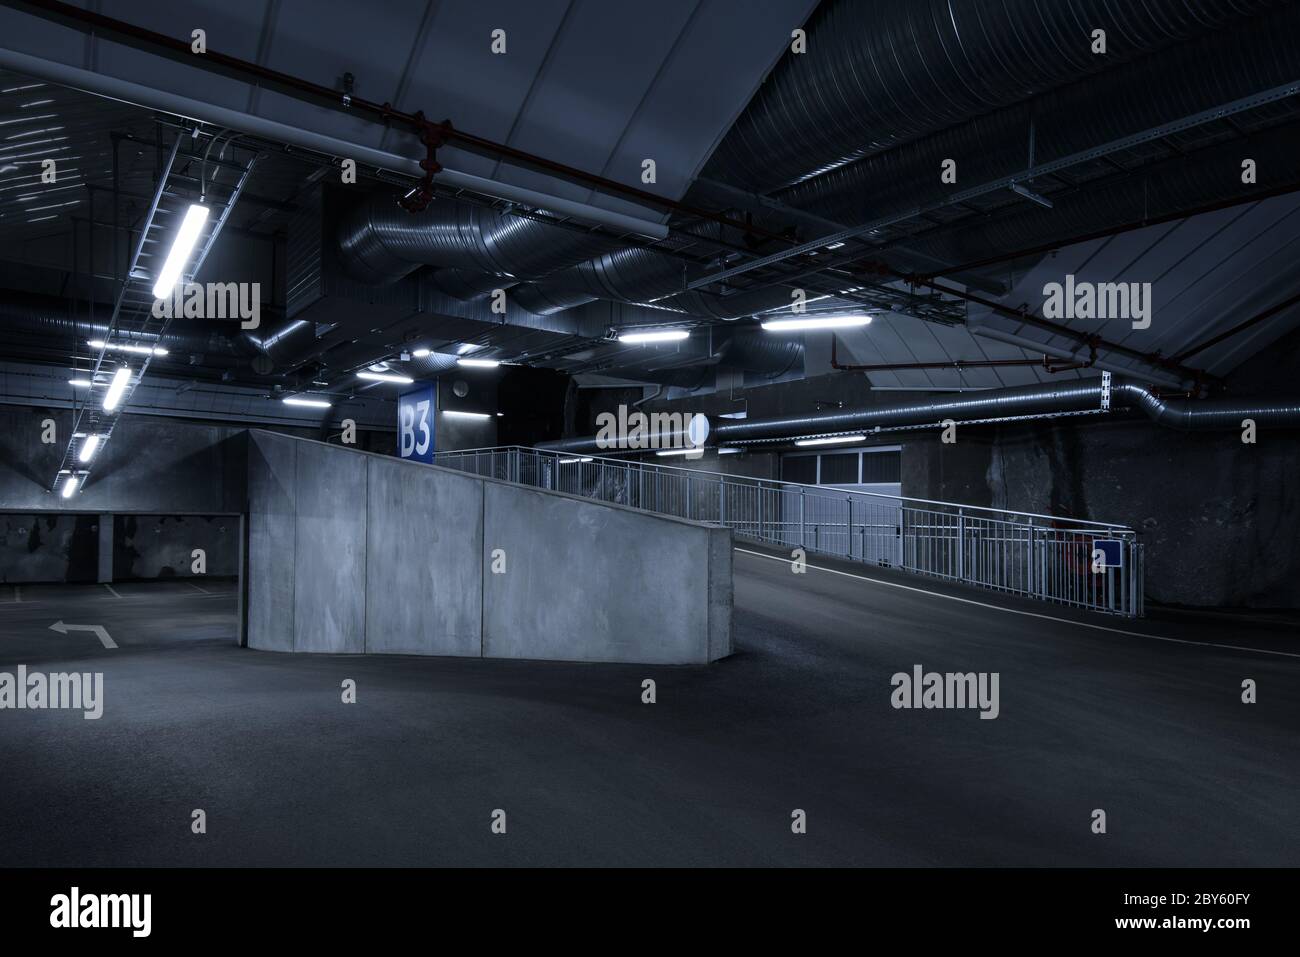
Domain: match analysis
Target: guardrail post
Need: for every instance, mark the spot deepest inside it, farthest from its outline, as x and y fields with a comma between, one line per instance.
x=961, y=543
x=802, y=533
x=722, y=502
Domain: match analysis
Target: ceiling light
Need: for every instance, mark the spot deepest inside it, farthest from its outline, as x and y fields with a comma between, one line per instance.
x=385, y=377
x=664, y=335
x=422, y=353
x=88, y=448
x=817, y=322
x=179, y=255
x=127, y=347
x=70, y=486
x=833, y=440
x=691, y=452
x=116, y=388
x=310, y=403
x=1030, y=195
x=466, y=415
x=729, y=451
x=479, y=363
x=585, y=458
x=79, y=383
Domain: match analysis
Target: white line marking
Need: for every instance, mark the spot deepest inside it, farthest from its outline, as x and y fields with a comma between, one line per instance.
x=197, y=588
x=110, y=588
x=100, y=631
x=1028, y=614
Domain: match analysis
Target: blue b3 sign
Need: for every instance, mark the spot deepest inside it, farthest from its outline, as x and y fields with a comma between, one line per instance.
x=415, y=413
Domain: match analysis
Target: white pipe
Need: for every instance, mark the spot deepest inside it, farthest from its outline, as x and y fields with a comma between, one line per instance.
x=137, y=95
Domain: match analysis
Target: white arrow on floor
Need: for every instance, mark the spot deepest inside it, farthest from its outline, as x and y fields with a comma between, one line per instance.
x=99, y=630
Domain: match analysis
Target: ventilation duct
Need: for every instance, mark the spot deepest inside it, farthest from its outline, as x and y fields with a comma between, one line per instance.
x=1190, y=79
x=1036, y=400
x=879, y=74
x=40, y=317
x=380, y=242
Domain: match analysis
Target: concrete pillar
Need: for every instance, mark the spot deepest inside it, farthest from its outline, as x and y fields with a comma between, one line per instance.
x=106, y=548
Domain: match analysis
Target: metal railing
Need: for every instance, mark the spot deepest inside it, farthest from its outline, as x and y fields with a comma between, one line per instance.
x=1020, y=553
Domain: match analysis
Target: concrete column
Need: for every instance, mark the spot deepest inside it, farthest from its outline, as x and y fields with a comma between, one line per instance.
x=105, y=548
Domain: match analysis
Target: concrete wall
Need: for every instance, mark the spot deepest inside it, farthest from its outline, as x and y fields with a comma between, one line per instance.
x=1219, y=519
x=48, y=548
x=358, y=553
x=162, y=546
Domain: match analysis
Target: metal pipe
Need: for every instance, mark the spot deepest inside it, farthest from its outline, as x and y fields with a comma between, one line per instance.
x=90, y=22
x=1086, y=395
x=149, y=98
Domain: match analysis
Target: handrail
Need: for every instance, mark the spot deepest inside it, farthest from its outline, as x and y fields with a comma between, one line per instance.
x=828, y=491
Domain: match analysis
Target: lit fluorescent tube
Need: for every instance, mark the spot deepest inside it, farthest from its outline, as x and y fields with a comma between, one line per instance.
x=116, y=388
x=179, y=255
x=832, y=440
x=79, y=383
x=817, y=322
x=385, y=377
x=586, y=458
x=311, y=403
x=665, y=335
x=479, y=363
x=127, y=347
x=69, y=486
x=466, y=415
x=422, y=353
x=691, y=452
x=88, y=447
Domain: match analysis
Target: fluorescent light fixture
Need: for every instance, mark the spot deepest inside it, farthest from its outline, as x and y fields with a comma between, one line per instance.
x=817, y=322
x=422, y=353
x=730, y=450
x=380, y=367
x=88, y=448
x=696, y=453
x=586, y=458
x=833, y=440
x=79, y=383
x=479, y=363
x=385, y=377
x=127, y=347
x=186, y=237
x=1030, y=195
x=663, y=335
x=116, y=388
x=70, y=486
x=310, y=403
x=734, y=415
x=466, y=415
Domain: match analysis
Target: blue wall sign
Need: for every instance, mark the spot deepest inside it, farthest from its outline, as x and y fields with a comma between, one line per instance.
x=415, y=417
x=1112, y=551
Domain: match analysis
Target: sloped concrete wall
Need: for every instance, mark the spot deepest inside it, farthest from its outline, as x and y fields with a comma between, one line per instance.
x=599, y=582
x=351, y=552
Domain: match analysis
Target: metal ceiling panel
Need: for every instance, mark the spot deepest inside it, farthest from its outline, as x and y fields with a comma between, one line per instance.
x=630, y=80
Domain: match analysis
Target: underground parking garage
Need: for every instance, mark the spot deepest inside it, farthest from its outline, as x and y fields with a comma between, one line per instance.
x=842, y=434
